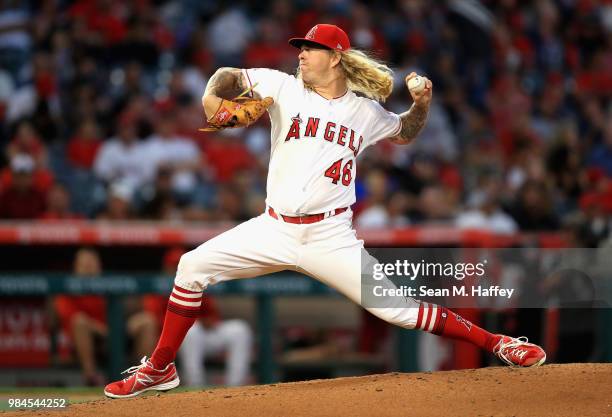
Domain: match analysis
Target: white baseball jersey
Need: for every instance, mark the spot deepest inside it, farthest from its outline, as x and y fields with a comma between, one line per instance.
x=315, y=142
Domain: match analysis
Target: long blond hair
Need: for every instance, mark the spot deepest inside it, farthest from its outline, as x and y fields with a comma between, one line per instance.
x=364, y=75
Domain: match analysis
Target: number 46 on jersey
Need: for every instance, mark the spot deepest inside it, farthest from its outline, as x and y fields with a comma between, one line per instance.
x=336, y=172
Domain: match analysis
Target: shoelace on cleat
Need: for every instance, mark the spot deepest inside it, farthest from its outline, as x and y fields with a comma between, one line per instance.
x=508, y=349
x=133, y=369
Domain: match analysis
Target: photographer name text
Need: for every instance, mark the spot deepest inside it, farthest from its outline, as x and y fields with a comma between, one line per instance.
x=455, y=291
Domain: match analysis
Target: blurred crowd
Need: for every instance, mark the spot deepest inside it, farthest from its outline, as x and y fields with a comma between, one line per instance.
x=81, y=324
x=100, y=106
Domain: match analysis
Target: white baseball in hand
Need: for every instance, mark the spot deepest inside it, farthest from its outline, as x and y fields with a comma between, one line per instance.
x=416, y=84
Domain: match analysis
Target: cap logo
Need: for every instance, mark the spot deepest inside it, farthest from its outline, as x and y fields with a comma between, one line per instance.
x=311, y=32
x=339, y=46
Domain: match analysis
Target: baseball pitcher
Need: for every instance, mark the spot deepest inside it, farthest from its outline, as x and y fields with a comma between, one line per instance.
x=321, y=120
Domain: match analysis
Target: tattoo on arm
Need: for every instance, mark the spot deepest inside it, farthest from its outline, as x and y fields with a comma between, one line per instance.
x=226, y=82
x=412, y=123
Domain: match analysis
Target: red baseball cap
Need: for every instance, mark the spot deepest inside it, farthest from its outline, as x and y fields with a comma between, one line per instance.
x=329, y=36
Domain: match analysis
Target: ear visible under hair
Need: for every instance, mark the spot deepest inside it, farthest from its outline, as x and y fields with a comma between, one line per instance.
x=336, y=54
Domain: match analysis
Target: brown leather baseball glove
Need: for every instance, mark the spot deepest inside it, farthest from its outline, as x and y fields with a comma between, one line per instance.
x=238, y=112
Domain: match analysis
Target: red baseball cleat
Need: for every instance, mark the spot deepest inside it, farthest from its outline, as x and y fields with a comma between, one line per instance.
x=518, y=352
x=143, y=378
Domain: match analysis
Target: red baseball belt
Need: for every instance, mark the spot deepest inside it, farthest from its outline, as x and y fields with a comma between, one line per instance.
x=308, y=219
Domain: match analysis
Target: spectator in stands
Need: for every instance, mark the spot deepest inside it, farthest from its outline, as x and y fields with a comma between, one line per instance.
x=166, y=149
x=503, y=94
x=210, y=336
x=364, y=34
x=601, y=154
x=46, y=116
x=247, y=184
x=21, y=199
x=269, y=48
x=15, y=39
x=7, y=88
x=176, y=97
x=86, y=98
x=526, y=163
x=158, y=200
x=195, y=75
x=397, y=208
x=84, y=145
x=138, y=44
x=533, y=210
x=27, y=141
x=58, y=205
x=100, y=24
x=83, y=320
x=230, y=204
x=374, y=214
x=422, y=170
x=228, y=50
x=132, y=89
x=437, y=138
x=227, y=154
x=119, y=205
x=435, y=207
x=486, y=212
x=565, y=162
x=123, y=158
x=138, y=110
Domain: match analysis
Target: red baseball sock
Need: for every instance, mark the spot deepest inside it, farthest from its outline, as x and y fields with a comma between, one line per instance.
x=443, y=322
x=183, y=309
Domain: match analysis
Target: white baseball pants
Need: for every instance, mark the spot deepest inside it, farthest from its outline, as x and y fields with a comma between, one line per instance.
x=328, y=251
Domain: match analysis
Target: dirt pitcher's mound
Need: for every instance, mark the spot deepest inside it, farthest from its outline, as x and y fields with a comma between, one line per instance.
x=554, y=390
